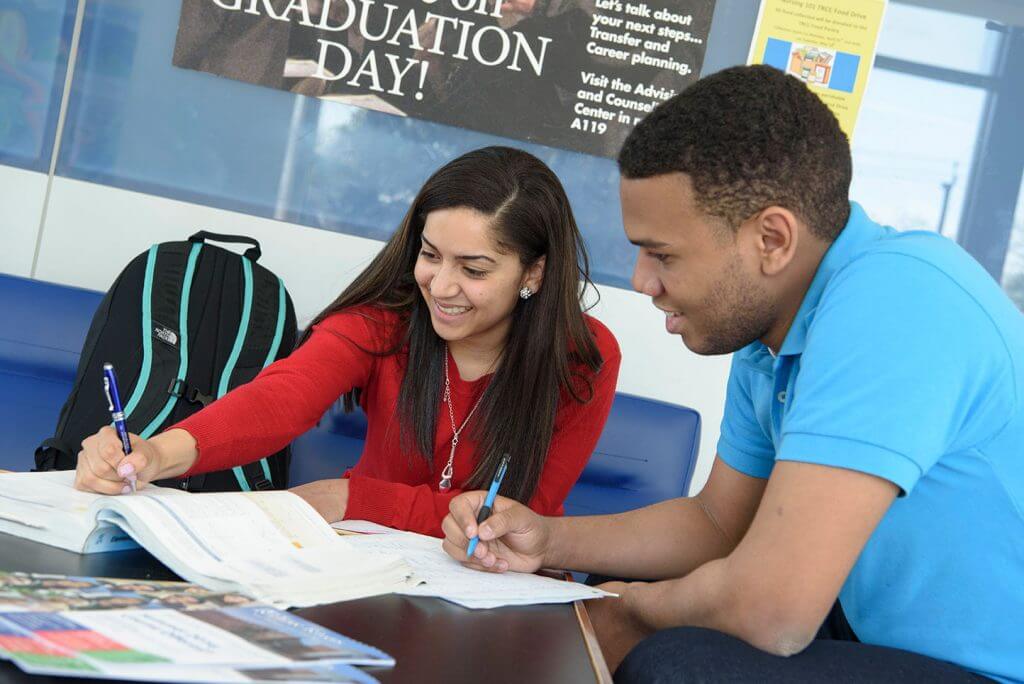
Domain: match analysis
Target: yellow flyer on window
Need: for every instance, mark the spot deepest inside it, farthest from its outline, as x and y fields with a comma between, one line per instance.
x=828, y=44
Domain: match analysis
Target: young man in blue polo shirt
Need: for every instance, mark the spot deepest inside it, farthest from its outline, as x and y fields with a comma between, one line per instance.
x=872, y=449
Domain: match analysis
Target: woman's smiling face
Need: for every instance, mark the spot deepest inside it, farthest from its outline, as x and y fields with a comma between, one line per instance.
x=470, y=284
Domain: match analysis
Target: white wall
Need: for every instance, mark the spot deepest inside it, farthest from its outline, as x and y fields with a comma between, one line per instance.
x=21, y=204
x=92, y=230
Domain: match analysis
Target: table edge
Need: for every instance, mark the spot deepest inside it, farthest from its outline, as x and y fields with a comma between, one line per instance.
x=601, y=672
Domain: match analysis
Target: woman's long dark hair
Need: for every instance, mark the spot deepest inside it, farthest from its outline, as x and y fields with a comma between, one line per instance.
x=531, y=217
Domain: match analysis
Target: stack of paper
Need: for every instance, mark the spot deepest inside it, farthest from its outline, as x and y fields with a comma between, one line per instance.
x=444, y=577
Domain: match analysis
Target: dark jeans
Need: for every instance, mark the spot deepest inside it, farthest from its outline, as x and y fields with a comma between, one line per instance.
x=686, y=655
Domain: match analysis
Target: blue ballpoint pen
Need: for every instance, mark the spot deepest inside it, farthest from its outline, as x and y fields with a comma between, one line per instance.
x=485, y=510
x=116, y=412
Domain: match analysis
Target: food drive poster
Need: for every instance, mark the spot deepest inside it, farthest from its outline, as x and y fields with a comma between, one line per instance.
x=828, y=44
x=575, y=74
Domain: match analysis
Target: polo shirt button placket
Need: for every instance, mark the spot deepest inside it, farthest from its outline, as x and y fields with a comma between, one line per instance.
x=783, y=370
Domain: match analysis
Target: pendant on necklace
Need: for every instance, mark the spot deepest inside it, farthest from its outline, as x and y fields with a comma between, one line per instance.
x=446, y=474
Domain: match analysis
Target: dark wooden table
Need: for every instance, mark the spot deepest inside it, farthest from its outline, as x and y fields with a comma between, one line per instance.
x=431, y=640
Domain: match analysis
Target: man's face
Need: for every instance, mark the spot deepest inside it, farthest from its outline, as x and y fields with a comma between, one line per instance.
x=694, y=267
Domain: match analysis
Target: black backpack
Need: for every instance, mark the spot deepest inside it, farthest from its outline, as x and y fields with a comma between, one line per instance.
x=182, y=324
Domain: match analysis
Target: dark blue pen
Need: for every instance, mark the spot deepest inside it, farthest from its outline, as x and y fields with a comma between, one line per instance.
x=485, y=510
x=117, y=413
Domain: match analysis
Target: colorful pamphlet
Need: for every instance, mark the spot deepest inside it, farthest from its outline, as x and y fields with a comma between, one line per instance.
x=166, y=631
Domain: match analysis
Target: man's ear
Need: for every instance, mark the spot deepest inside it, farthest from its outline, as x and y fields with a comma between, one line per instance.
x=776, y=234
x=534, y=275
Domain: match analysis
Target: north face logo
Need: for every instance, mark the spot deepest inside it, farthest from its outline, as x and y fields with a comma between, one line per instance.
x=165, y=334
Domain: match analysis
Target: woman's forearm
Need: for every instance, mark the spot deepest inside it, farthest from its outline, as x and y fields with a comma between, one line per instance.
x=177, y=452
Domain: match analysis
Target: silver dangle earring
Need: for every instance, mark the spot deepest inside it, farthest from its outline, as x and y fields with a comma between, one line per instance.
x=525, y=293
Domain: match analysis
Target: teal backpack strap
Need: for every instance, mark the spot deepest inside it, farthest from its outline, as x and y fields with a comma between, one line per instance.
x=164, y=335
x=186, y=291
x=262, y=327
x=254, y=319
x=225, y=377
x=272, y=352
x=147, y=335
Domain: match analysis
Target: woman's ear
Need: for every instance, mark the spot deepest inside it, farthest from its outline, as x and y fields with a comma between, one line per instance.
x=534, y=275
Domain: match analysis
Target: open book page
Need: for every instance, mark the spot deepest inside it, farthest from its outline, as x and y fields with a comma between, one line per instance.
x=46, y=508
x=270, y=545
x=446, y=578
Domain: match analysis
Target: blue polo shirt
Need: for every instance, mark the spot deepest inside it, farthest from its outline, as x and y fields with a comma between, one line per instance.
x=906, y=361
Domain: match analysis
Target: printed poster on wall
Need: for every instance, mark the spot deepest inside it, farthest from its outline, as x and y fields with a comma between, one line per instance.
x=574, y=74
x=828, y=44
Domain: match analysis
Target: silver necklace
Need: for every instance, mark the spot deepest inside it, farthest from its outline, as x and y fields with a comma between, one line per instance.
x=446, y=474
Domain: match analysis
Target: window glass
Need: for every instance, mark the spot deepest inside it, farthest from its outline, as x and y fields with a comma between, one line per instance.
x=937, y=38
x=34, y=42
x=1013, y=270
x=912, y=160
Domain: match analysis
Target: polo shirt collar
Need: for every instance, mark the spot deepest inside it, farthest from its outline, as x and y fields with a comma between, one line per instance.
x=858, y=231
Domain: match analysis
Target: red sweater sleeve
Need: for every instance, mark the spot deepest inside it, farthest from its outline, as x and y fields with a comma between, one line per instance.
x=578, y=426
x=288, y=397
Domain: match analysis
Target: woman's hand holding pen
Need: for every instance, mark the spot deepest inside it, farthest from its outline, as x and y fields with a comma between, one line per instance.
x=512, y=538
x=104, y=468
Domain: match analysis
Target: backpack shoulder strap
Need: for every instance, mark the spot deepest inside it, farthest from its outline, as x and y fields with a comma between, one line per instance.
x=171, y=267
x=261, y=327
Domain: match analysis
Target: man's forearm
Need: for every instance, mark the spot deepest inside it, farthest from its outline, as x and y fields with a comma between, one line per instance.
x=665, y=540
x=716, y=596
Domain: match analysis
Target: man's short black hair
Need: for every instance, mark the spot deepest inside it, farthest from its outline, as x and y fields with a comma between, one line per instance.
x=749, y=137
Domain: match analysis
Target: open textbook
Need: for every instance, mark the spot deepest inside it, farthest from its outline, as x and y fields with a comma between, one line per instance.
x=272, y=546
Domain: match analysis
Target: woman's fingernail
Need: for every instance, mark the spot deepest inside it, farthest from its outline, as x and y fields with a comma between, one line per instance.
x=126, y=470
x=126, y=490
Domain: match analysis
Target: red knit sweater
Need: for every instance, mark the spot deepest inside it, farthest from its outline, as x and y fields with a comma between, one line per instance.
x=386, y=486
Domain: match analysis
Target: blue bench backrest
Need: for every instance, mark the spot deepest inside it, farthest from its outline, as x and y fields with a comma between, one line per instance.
x=44, y=327
x=646, y=453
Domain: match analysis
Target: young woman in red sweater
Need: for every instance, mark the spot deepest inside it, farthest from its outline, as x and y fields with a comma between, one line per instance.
x=463, y=340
